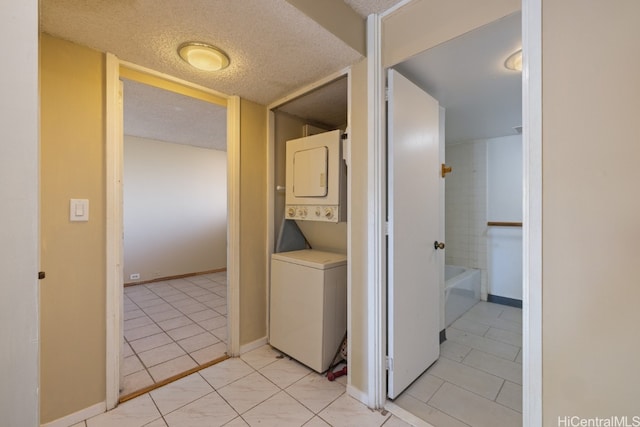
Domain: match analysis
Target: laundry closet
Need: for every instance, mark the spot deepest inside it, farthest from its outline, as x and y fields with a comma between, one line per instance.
x=308, y=267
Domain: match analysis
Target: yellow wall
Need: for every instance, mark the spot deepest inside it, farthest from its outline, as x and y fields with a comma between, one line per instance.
x=73, y=296
x=72, y=305
x=591, y=208
x=253, y=222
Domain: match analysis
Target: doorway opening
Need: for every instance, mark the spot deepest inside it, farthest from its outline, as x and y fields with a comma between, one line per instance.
x=175, y=226
x=211, y=286
x=480, y=311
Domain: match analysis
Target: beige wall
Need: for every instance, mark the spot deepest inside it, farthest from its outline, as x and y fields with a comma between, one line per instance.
x=358, y=227
x=253, y=222
x=337, y=17
x=286, y=127
x=423, y=24
x=175, y=209
x=19, y=248
x=72, y=314
x=591, y=208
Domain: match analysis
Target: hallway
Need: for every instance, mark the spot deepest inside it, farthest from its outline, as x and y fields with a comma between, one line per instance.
x=260, y=388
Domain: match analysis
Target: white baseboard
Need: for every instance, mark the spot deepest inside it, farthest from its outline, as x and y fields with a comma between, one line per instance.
x=79, y=416
x=405, y=415
x=358, y=394
x=253, y=345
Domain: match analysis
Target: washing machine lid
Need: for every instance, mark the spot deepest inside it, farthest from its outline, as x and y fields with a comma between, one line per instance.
x=312, y=258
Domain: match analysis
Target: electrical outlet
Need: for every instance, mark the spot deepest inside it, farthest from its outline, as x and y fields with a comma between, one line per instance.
x=134, y=276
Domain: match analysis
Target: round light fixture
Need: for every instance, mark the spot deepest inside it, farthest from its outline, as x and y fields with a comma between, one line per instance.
x=514, y=61
x=203, y=56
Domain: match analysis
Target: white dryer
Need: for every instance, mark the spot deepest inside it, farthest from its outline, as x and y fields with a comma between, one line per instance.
x=308, y=306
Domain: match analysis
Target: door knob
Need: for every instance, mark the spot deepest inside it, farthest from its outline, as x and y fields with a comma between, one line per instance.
x=437, y=245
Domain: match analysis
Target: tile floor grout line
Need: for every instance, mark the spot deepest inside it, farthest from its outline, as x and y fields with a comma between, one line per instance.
x=156, y=323
x=449, y=415
x=222, y=397
x=501, y=387
x=302, y=403
x=464, y=388
x=157, y=408
x=490, y=339
x=490, y=373
x=500, y=360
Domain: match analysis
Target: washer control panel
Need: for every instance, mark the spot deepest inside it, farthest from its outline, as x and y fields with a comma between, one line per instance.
x=325, y=213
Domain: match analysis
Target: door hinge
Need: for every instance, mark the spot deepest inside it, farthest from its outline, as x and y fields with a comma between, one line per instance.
x=388, y=363
x=346, y=149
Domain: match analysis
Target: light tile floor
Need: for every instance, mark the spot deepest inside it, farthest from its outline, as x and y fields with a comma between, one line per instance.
x=477, y=381
x=172, y=326
x=257, y=389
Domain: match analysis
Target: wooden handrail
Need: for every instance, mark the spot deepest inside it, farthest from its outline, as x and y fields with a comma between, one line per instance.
x=504, y=224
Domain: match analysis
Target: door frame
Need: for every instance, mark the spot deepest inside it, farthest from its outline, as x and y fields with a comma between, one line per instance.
x=114, y=217
x=532, y=213
x=272, y=185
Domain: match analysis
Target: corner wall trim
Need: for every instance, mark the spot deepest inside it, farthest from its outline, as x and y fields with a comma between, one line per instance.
x=253, y=345
x=357, y=394
x=79, y=416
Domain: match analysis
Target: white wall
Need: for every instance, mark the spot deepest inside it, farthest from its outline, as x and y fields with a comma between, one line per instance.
x=504, y=204
x=486, y=185
x=19, y=244
x=466, y=206
x=504, y=178
x=175, y=209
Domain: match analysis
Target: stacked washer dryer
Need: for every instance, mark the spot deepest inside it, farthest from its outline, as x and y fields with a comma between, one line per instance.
x=308, y=302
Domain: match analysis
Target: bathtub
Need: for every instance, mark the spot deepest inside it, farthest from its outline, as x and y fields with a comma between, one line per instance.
x=461, y=291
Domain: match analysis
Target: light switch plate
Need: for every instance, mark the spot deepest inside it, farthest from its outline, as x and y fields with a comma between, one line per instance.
x=79, y=210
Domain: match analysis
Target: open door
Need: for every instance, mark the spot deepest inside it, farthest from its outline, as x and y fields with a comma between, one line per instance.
x=414, y=216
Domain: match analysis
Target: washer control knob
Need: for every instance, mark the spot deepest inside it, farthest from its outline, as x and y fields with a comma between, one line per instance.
x=291, y=212
x=302, y=212
x=328, y=213
x=318, y=212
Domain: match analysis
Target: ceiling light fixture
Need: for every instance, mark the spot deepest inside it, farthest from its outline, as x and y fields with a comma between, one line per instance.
x=514, y=61
x=203, y=56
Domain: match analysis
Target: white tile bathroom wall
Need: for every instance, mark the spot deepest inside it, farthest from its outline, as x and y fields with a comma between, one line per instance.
x=466, y=206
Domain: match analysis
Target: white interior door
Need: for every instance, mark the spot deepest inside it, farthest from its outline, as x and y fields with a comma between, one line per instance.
x=414, y=215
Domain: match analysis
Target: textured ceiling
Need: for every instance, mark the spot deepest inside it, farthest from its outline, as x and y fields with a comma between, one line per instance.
x=154, y=113
x=274, y=48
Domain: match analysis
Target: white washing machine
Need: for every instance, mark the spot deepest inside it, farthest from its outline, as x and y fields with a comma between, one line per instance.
x=308, y=305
